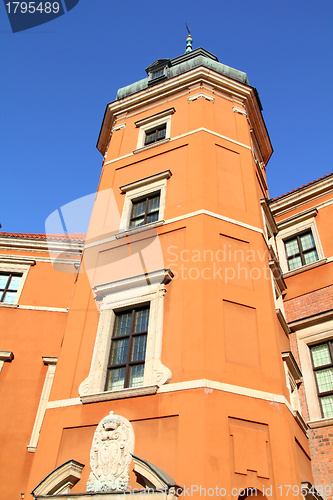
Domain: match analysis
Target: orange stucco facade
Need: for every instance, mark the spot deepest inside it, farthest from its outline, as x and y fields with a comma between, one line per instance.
x=212, y=409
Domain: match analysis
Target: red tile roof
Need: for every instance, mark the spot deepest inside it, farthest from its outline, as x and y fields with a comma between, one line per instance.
x=79, y=237
x=302, y=187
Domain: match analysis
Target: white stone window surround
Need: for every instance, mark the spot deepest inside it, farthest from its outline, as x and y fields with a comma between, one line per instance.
x=15, y=266
x=286, y=231
x=307, y=338
x=118, y=296
x=156, y=183
x=151, y=122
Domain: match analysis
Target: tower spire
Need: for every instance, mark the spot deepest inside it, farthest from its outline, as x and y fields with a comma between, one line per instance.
x=188, y=41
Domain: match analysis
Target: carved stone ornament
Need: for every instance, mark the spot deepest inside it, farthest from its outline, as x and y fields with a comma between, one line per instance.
x=110, y=455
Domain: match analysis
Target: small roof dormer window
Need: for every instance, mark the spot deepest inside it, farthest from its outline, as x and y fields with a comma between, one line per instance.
x=158, y=71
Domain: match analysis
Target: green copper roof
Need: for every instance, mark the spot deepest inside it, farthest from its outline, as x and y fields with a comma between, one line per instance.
x=183, y=64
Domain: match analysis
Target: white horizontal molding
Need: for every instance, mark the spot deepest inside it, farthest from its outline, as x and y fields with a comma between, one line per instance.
x=181, y=136
x=176, y=219
x=130, y=392
x=181, y=386
x=35, y=308
x=62, y=403
x=217, y=216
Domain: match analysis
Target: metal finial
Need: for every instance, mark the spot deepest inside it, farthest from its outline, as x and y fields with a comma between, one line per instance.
x=188, y=41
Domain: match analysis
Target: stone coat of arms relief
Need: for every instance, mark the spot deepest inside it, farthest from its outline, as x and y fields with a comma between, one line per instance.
x=110, y=455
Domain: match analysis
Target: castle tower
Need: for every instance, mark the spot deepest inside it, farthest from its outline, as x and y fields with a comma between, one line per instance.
x=176, y=324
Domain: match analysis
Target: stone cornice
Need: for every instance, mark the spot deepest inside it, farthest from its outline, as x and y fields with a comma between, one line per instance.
x=180, y=84
x=301, y=196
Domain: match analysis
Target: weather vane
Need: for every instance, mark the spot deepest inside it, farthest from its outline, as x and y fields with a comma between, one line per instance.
x=188, y=41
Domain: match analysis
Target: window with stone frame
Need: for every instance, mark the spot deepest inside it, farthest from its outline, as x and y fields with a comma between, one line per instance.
x=322, y=361
x=300, y=250
x=128, y=349
x=9, y=285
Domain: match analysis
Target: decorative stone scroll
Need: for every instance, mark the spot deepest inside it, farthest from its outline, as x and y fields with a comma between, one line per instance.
x=110, y=455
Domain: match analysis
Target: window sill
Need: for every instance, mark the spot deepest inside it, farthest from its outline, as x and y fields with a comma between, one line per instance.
x=314, y=424
x=138, y=229
x=11, y=306
x=305, y=268
x=145, y=148
x=124, y=393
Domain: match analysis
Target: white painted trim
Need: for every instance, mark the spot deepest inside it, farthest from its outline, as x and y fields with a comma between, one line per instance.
x=42, y=403
x=118, y=127
x=15, y=259
x=176, y=219
x=241, y=111
x=5, y=356
x=61, y=403
x=197, y=384
x=201, y=95
x=217, y=216
x=181, y=136
x=124, y=393
x=35, y=308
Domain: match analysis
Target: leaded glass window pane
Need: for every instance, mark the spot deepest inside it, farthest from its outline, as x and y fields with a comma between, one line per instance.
x=116, y=379
x=325, y=380
x=119, y=351
x=123, y=324
x=139, y=348
x=137, y=222
x=136, y=376
x=294, y=263
x=321, y=355
x=311, y=256
x=307, y=241
x=327, y=406
x=153, y=203
x=139, y=208
x=292, y=247
x=141, y=321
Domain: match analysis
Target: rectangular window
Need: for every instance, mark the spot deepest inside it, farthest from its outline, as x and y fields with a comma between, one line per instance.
x=128, y=349
x=300, y=250
x=145, y=210
x=9, y=284
x=155, y=134
x=322, y=359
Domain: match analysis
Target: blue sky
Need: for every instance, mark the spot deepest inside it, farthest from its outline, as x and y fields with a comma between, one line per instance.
x=56, y=80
